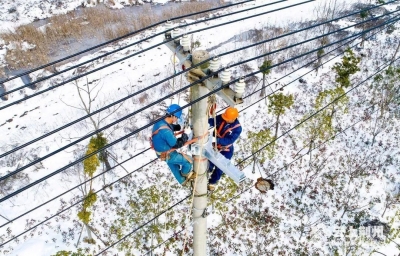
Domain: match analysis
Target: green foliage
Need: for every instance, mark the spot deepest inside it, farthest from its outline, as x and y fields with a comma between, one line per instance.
x=363, y=14
x=320, y=52
x=279, y=102
x=257, y=140
x=84, y=214
x=141, y=206
x=90, y=199
x=225, y=191
x=265, y=67
x=386, y=89
x=90, y=164
x=380, y=1
x=196, y=44
x=69, y=253
x=327, y=96
x=100, y=142
x=349, y=66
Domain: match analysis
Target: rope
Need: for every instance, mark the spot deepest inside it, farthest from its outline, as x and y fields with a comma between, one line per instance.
x=193, y=194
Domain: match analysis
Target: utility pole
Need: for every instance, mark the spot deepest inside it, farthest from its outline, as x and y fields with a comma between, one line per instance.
x=180, y=45
x=200, y=163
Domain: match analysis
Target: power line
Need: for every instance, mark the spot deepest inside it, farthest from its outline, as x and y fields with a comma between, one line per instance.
x=238, y=163
x=321, y=109
x=286, y=165
x=287, y=132
x=148, y=125
x=177, y=74
x=163, y=242
x=137, y=53
x=74, y=204
x=119, y=38
x=81, y=184
x=94, y=177
x=130, y=158
x=141, y=226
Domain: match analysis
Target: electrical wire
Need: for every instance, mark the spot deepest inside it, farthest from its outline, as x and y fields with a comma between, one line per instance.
x=130, y=158
x=119, y=38
x=148, y=125
x=170, y=77
x=238, y=163
x=139, y=52
x=287, y=132
x=321, y=109
x=163, y=242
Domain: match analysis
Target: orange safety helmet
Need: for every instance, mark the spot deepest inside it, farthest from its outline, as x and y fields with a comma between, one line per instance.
x=230, y=114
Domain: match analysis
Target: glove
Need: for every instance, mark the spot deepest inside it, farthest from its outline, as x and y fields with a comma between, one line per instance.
x=184, y=138
x=176, y=127
x=179, y=143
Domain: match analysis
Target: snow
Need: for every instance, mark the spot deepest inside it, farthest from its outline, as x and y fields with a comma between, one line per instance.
x=237, y=226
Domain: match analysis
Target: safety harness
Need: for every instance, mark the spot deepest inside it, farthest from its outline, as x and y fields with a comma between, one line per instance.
x=164, y=156
x=226, y=147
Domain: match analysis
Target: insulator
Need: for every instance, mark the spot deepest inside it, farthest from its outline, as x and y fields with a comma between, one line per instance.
x=185, y=42
x=168, y=25
x=214, y=64
x=225, y=76
x=176, y=33
x=239, y=88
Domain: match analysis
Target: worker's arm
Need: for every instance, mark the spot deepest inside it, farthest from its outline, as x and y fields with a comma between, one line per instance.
x=230, y=137
x=180, y=142
x=169, y=137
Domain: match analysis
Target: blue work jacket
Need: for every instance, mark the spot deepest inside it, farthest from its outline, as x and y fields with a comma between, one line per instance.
x=227, y=135
x=164, y=140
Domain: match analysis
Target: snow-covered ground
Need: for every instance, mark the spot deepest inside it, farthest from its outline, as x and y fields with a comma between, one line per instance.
x=352, y=178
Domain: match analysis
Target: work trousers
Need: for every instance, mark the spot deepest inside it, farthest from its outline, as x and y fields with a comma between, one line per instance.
x=179, y=166
x=216, y=175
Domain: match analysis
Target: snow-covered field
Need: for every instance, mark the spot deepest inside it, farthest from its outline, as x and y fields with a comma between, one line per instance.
x=350, y=179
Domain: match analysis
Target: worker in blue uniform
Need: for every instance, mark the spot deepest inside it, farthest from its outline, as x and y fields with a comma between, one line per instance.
x=165, y=144
x=228, y=130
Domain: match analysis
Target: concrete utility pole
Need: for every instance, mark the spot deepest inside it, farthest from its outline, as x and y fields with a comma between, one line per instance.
x=200, y=127
x=181, y=49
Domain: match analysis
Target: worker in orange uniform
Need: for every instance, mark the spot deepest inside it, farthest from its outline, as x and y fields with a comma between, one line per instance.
x=228, y=130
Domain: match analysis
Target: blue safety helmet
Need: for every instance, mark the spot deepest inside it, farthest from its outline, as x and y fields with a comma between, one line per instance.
x=174, y=107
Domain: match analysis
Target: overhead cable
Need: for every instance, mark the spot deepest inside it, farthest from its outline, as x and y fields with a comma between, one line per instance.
x=166, y=79
x=130, y=158
x=119, y=38
x=315, y=113
x=139, y=52
x=151, y=123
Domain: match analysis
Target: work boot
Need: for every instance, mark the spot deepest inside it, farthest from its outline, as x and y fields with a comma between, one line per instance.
x=191, y=175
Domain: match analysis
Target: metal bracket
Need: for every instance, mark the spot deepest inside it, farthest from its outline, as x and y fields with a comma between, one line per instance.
x=227, y=94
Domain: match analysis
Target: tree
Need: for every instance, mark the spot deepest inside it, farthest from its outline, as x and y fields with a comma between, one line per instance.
x=90, y=165
x=347, y=67
x=278, y=103
x=363, y=15
x=265, y=70
x=257, y=140
x=386, y=95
